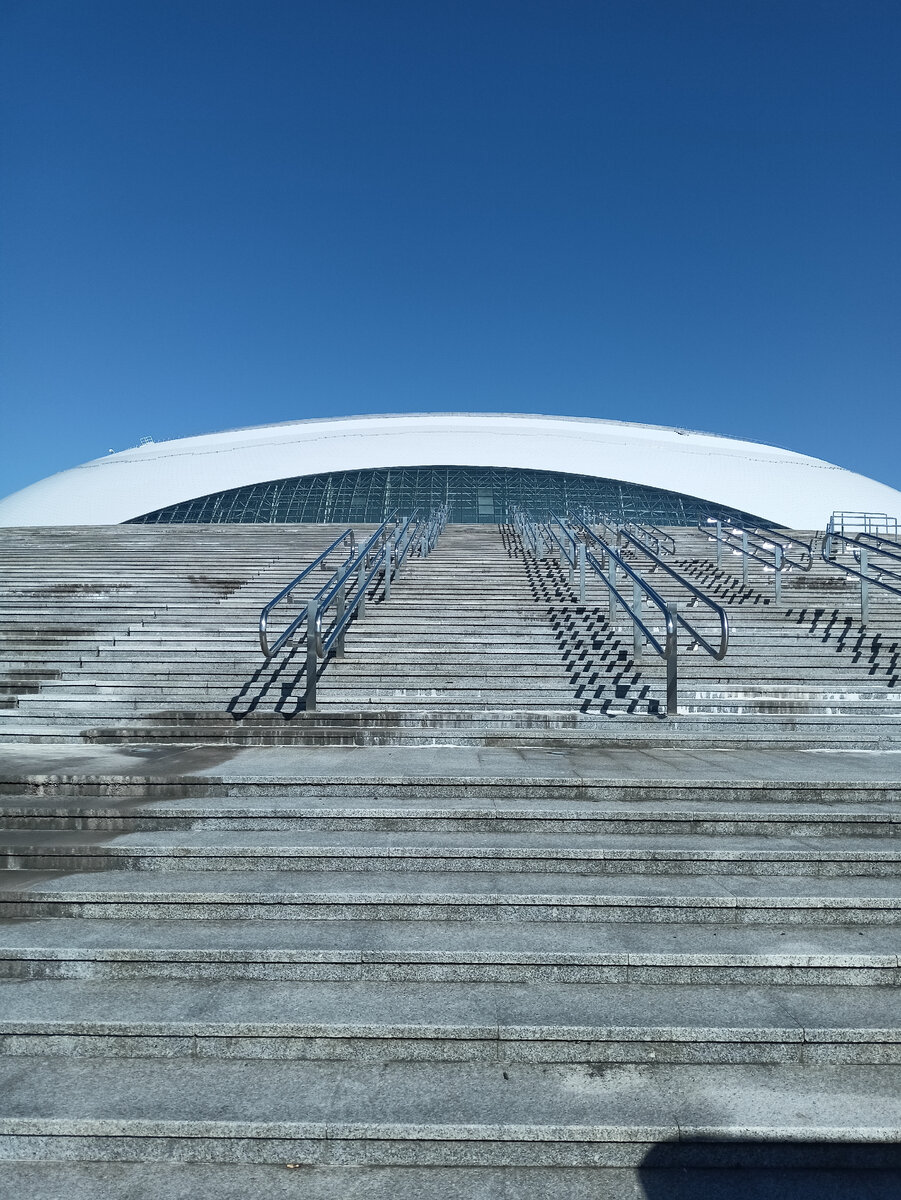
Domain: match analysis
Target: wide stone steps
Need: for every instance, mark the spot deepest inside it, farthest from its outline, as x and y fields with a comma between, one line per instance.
x=520, y=643
x=442, y=1022
x=376, y=851
x=485, y=959
x=451, y=951
x=564, y=730
x=235, y=1181
x=878, y=816
x=288, y=894
x=437, y=1114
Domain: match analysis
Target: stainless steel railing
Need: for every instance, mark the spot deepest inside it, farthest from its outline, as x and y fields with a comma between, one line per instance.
x=878, y=542
x=582, y=545
x=655, y=539
x=842, y=521
x=330, y=611
x=866, y=570
x=777, y=551
x=348, y=539
x=698, y=598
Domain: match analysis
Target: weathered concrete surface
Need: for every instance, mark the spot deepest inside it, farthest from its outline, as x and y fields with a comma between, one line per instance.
x=408, y=763
x=203, y=1181
x=495, y=966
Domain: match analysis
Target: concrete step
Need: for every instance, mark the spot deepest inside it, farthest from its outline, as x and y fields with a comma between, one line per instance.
x=580, y=773
x=472, y=725
x=449, y=729
x=706, y=815
x=438, y=1113
x=377, y=851
x=359, y=1021
x=235, y=1181
x=441, y=895
x=489, y=950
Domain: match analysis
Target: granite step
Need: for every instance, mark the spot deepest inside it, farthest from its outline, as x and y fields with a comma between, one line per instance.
x=491, y=950
x=648, y=1181
x=704, y=816
x=440, y=1114
x=439, y=895
x=592, y=854
x=360, y=1021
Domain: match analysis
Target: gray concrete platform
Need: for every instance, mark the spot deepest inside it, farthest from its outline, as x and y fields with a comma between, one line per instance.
x=204, y=1181
x=282, y=764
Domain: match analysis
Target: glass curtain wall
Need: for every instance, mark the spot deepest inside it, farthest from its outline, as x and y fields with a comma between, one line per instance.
x=473, y=495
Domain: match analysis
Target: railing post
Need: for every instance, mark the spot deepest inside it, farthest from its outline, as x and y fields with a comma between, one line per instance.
x=637, y=636
x=581, y=572
x=777, y=576
x=611, y=564
x=339, y=613
x=388, y=557
x=744, y=557
x=719, y=544
x=672, y=668
x=312, y=658
x=361, y=575
x=864, y=588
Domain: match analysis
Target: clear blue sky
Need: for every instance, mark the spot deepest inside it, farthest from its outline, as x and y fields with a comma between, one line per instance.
x=219, y=213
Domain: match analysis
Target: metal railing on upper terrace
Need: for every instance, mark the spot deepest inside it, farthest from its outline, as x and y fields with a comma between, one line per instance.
x=326, y=615
x=842, y=521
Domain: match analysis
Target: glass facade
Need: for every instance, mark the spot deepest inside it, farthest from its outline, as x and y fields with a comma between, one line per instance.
x=473, y=495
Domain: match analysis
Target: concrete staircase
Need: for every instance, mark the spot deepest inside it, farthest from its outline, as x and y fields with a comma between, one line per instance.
x=407, y=971
x=808, y=652
x=130, y=623
x=111, y=634
x=530, y=939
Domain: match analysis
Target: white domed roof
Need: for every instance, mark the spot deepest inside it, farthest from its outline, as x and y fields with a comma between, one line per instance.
x=778, y=485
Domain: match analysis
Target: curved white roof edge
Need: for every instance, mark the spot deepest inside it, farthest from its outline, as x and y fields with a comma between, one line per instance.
x=775, y=484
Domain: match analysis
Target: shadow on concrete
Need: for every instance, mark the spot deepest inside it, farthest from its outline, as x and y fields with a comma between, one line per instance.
x=785, y=1170
x=277, y=687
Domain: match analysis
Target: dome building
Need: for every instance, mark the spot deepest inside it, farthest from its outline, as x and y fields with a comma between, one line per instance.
x=481, y=465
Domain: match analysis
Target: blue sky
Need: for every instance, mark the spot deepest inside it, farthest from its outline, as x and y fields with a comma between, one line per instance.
x=219, y=214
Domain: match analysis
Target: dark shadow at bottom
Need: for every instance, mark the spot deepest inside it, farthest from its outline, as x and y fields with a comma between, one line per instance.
x=786, y=1170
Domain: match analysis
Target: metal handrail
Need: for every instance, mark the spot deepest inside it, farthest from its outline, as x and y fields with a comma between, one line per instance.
x=353, y=557
x=379, y=550
x=434, y=527
x=861, y=557
x=881, y=541
x=766, y=540
x=699, y=597
x=857, y=544
x=660, y=539
x=652, y=594
x=601, y=518
x=348, y=537
x=384, y=554
x=769, y=549
x=532, y=537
